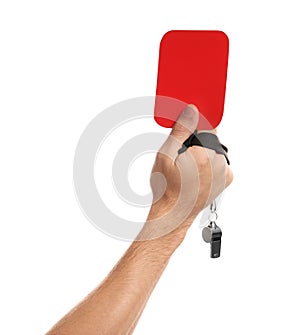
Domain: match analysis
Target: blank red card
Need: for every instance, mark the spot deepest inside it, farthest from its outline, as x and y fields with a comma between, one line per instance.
x=192, y=69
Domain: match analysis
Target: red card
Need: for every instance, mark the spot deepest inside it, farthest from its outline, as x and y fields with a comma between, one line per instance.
x=192, y=69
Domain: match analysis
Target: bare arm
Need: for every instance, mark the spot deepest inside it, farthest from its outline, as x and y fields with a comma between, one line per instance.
x=115, y=306
x=191, y=181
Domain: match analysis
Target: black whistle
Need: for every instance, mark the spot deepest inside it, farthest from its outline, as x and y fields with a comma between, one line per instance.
x=212, y=234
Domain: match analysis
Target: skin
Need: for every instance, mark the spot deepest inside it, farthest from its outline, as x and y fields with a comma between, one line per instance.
x=182, y=186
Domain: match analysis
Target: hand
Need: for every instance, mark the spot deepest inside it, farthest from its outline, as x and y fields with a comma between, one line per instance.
x=184, y=184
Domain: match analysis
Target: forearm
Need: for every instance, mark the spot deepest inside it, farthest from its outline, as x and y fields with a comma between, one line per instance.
x=115, y=306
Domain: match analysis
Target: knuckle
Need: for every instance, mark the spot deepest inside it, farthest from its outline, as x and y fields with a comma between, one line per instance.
x=180, y=131
x=229, y=177
x=203, y=158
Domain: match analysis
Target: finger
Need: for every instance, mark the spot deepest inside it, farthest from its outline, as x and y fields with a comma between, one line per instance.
x=229, y=177
x=186, y=124
x=182, y=129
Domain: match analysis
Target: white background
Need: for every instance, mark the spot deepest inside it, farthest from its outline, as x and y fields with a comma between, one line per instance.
x=61, y=63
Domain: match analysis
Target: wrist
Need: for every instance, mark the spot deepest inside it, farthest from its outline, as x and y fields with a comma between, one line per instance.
x=164, y=226
x=163, y=210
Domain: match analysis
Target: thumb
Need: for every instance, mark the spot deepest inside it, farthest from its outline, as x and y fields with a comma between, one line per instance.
x=182, y=129
x=186, y=124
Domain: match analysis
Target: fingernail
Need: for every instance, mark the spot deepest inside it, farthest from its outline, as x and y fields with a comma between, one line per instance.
x=188, y=112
